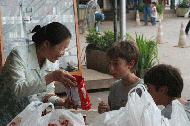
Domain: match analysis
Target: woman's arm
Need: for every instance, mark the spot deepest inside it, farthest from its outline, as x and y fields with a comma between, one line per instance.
x=14, y=76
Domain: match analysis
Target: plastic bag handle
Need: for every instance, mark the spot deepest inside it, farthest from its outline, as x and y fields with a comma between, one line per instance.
x=44, y=106
x=139, y=86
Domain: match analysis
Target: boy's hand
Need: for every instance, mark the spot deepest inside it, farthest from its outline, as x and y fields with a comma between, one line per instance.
x=103, y=107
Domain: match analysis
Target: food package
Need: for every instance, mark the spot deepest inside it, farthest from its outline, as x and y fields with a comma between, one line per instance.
x=83, y=94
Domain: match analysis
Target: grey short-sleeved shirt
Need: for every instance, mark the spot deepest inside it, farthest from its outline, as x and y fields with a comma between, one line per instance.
x=118, y=95
x=166, y=112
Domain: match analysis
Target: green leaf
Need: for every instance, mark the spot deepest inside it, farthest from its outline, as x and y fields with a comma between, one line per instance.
x=148, y=56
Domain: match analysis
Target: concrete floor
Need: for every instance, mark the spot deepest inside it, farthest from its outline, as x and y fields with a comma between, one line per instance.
x=168, y=53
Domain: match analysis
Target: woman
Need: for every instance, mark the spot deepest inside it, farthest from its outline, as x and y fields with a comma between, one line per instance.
x=32, y=69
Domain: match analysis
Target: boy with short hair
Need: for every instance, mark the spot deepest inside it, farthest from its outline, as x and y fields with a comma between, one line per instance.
x=165, y=84
x=122, y=59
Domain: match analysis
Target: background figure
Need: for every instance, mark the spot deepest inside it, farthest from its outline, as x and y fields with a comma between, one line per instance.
x=147, y=11
x=92, y=7
x=153, y=13
x=187, y=28
x=136, y=3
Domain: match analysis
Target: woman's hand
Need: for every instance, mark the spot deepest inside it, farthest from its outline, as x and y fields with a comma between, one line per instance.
x=61, y=76
x=69, y=104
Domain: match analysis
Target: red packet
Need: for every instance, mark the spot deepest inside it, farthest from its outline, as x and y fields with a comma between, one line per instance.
x=83, y=94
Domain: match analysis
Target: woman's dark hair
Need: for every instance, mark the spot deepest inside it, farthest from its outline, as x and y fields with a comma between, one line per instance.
x=126, y=50
x=165, y=75
x=54, y=32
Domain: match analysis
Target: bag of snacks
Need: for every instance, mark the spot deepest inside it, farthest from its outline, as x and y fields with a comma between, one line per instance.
x=83, y=94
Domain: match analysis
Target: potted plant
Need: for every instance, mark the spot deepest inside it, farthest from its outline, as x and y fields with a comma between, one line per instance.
x=182, y=8
x=98, y=43
x=95, y=51
x=148, y=56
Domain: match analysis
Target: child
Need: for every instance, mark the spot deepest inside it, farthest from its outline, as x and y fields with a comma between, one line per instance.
x=153, y=13
x=122, y=59
x=165, y=84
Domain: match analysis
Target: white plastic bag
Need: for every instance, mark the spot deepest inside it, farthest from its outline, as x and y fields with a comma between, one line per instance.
x=142, y=109
x=30, y=115
x=139, y=111
x=73, y=94
x=109, y=118
x=61, y=117
x=178, y=116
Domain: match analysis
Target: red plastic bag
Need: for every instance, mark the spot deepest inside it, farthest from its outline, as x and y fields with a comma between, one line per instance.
x=83, y=94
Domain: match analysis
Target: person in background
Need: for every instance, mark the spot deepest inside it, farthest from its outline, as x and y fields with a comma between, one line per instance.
x=122, y=59
x=165, y=84
x=30, y=71
x=153, y=13
x=147, y=11
x=187, y=28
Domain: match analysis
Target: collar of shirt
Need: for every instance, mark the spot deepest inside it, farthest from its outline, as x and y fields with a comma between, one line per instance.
x=32, y=61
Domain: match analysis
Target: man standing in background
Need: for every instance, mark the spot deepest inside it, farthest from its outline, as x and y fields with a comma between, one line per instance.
x=147, y=11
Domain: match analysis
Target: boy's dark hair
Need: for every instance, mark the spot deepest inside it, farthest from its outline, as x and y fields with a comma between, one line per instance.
x=126, y=50
x=165, y=75
x=54, y=32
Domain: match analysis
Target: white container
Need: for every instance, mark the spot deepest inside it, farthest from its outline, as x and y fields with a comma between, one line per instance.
x=73, y=94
